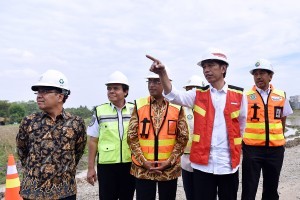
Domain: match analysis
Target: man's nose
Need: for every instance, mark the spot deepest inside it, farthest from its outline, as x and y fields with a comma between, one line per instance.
x=205, y=69
x=258, y=76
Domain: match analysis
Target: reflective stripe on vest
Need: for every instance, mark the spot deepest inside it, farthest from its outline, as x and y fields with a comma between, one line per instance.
x=204, y=113
x=111, y=148
x=264, y=125
x=156, y=147
x=189, y=116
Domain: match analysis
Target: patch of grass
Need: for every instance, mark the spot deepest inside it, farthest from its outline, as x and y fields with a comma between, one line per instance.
x=87, y=121
x=7, y=146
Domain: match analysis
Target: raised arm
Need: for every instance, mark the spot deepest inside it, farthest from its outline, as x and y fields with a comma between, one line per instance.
x=159, y=68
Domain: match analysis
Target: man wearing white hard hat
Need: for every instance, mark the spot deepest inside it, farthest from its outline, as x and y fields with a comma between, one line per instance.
x=187, y=170
x=157, y=135
x=108, y=142
x=263, y=141
x=220, y=112
x=50, y=143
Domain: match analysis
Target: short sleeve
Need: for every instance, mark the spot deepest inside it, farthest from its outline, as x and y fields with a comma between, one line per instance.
x=93, y=128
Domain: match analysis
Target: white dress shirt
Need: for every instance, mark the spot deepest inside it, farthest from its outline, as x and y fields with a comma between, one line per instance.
x=219, y=158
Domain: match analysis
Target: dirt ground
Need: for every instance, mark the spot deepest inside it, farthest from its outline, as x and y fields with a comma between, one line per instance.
x=289, y=186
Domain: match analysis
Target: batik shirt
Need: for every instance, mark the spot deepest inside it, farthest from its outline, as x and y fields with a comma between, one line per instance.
x=49, y=152
x=182, y=137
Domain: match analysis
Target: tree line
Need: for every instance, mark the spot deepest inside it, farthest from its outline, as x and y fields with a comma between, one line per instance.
x=14, y=112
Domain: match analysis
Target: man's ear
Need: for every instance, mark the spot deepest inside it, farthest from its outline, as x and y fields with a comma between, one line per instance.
x=224, y=67
x=271, y=76
x=60, y=97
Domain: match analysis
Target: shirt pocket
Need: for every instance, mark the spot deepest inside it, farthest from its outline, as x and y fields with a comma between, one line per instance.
x=172, y=127
x=108, y=153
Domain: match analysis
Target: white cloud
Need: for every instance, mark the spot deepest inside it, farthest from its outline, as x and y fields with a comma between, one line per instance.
x=18, y=73
x=91, y=39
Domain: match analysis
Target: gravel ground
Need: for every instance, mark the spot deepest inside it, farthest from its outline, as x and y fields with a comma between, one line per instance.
x=289, y=186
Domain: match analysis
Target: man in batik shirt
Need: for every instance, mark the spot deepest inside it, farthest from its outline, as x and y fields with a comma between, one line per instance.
x=157, y=136
x=50, y=143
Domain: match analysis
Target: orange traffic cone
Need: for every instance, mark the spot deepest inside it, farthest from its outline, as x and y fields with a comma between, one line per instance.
x=12, y=180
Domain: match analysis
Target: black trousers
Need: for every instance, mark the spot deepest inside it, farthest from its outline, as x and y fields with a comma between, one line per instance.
x=146, y=189
x=187, y=179
x=115, y=181
x=73, y=197
x=207, y=186
x=269, y=160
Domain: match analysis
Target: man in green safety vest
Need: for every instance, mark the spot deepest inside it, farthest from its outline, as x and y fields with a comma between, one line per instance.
x=108, y=140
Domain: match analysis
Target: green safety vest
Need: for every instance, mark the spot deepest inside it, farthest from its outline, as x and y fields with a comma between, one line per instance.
x=111, y=148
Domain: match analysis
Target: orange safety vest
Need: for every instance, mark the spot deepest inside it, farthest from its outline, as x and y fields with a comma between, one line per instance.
x=204, y=113
x=264, y=125
x=156, y=147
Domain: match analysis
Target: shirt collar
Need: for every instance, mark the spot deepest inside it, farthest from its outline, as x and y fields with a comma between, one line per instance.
x=224, y=89
x=153, y=100
x=63, y=114
x=114, y=107
x=263, y=91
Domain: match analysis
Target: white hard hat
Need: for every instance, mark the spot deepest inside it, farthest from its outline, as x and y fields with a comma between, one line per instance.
x=195, y=81
x=52, y=78
x=262, y=64
x=117, y=77
x=213, y=54
x=153, y=75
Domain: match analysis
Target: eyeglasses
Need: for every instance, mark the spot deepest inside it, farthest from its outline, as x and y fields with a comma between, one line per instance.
x=154, y=81
x=43, y=92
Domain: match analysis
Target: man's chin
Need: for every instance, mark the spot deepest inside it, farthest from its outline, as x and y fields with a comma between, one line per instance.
x=152, y=93
x=41, y=107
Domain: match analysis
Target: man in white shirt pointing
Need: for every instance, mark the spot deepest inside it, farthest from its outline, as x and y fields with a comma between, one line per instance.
x=219, y=120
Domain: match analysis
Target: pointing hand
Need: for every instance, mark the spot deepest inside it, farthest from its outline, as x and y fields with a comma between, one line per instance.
x=157, y=67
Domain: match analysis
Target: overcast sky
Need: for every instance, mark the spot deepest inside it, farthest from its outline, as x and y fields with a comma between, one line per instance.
x=88, y=40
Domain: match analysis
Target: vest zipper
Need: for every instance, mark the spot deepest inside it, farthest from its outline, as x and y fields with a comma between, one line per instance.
x=121, y=159
x=156, y=136
x=267, y=128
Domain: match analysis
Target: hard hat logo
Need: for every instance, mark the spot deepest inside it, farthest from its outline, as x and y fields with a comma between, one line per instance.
x=61, y=81
x=219, y=55
x=262, y=64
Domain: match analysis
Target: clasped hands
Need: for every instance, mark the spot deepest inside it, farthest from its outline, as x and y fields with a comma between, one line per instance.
x=156, y=167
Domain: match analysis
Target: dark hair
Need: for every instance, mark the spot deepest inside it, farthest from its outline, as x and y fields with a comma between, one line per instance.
x=125, y=89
